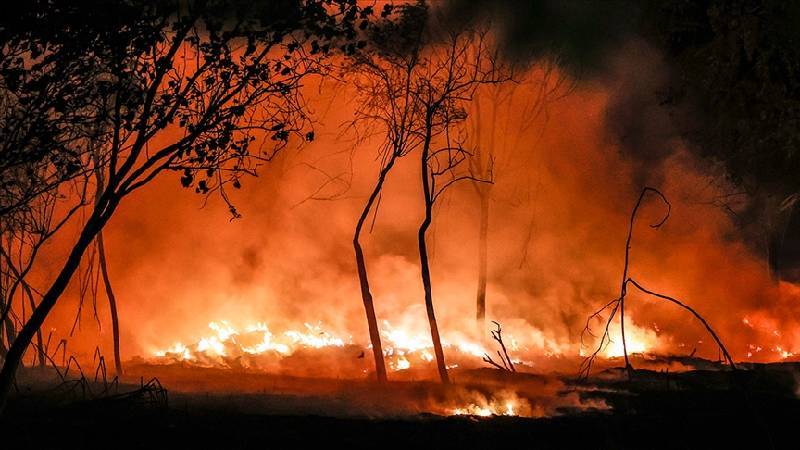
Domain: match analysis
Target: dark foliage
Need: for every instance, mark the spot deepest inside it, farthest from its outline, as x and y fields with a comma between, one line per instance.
x=209, y=88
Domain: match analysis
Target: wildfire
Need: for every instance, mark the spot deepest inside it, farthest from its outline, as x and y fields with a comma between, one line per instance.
x=406, y=348
x=506, y=409
x=256, y=339
x=500, y=403
x=637, y=340
x=778, y=345
x=403, y=349
x=783, y=352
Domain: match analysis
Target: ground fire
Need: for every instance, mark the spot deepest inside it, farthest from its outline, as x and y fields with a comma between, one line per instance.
x=471, y=224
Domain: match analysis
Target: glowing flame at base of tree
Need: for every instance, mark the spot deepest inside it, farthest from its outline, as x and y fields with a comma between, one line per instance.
x=248, y=346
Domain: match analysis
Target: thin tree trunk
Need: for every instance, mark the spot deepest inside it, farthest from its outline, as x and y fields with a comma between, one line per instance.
x=483, y=247
x=773, y=256
x=426, y=283
x=17, y=350
x=112, y=302
x=366, y=295
x=423, y=260
x=112, y=299
x=11, y=332
x=39, y=340
x=4, y=334
x=3, y=348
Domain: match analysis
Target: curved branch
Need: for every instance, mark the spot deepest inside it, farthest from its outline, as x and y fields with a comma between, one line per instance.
x=694, y=313
x=618, y=304
x=623, y=286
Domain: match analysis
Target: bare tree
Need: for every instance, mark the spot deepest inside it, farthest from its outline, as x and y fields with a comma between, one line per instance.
x=618, y=304
x=383, y=78
x=454, y=66
x=413, y=89
x=436, y=164
x=192, y=87
x=501, y=115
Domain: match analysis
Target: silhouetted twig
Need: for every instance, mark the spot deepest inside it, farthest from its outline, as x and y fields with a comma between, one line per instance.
x=507, y=364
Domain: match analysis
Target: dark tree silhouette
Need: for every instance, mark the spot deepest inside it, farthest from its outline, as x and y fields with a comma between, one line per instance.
x=24, y=232
x=383, y=78
x=506, y=363
x=103, y=264
x=618, y=304
x=413, y=89
x=454, y=66
x=187, y=86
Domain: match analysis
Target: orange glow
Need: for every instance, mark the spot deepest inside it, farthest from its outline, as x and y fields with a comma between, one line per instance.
x=283, y=276
x=229, y=341
x=501, y=403
x=486, y=411
x=638, y=341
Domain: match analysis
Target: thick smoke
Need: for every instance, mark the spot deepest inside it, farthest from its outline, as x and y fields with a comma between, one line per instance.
x=557, y=230
x=558, y=223
x=580, y=34
x=702, y=77
x=594, y=41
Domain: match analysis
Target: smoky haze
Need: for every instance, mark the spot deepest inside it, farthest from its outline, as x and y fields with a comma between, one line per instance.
x=556, y=243
x=557, y=228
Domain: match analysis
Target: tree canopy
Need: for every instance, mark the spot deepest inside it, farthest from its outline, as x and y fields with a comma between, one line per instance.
x=131, y=89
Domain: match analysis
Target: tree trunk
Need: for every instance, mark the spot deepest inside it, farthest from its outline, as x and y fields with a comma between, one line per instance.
x=366, y=295
x=101, y=249
x=15, y=353
x=3, y=348
x=426, y=283
x=483, y=247
x=774, y=246
x=112, y=302
x=39, y=340
x=11, y=333
x=423, y=260
x=369, y=309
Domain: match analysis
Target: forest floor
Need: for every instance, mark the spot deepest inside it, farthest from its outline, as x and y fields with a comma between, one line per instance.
x=756, y=407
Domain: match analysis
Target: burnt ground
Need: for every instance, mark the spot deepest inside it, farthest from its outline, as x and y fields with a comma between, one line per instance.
x=752, y=408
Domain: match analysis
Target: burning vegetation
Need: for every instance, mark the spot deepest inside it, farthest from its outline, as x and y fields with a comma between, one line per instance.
x=383, y=210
